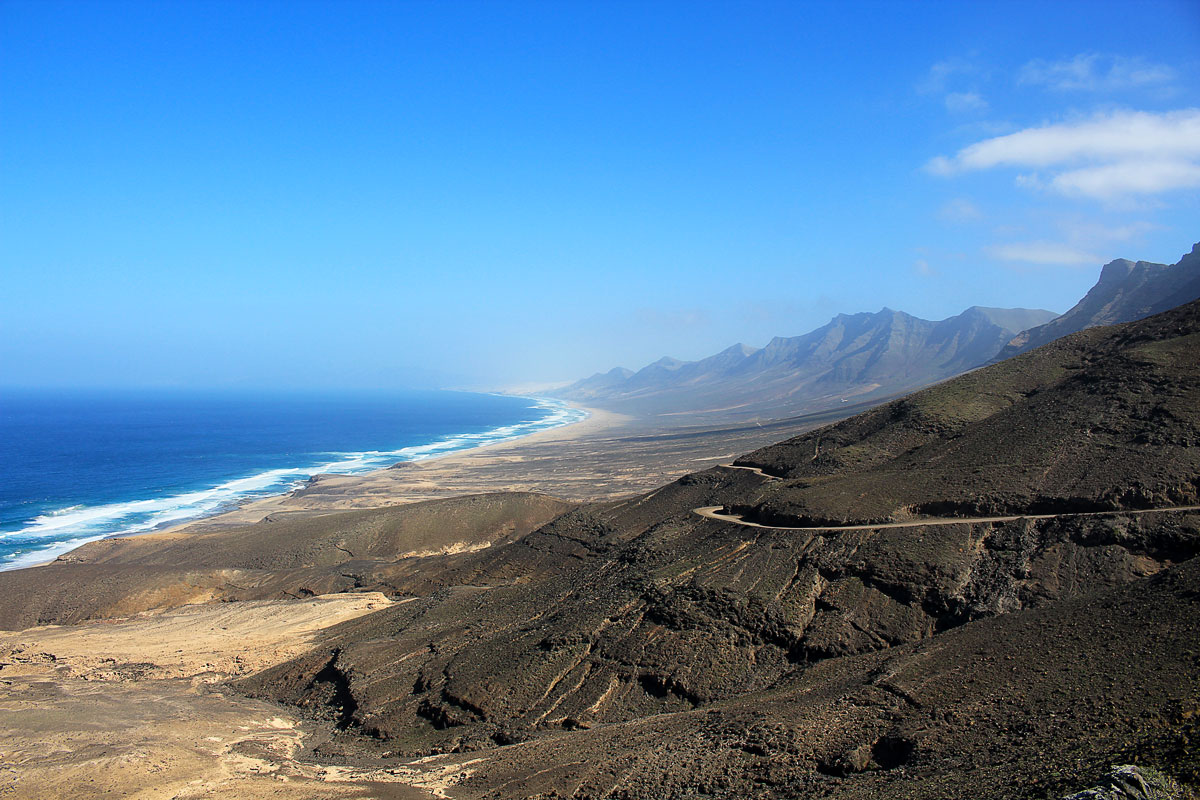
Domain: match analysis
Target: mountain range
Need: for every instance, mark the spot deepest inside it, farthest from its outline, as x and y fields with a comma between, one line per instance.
x=867, y=357
x=988, y=588
x=854, y=357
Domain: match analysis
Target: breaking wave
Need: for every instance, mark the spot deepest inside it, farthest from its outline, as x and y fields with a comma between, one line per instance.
x=59, y=531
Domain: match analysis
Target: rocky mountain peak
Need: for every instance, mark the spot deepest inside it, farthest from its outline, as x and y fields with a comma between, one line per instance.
x=1115, y=271
x=1126, y=291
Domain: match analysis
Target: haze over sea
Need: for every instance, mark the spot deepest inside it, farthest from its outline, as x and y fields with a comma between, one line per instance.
x=80, y=465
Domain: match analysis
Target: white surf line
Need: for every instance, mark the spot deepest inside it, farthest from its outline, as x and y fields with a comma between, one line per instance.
x=713, y=513
x=85, y=524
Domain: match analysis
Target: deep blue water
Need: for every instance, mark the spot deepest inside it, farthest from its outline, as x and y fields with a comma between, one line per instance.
x=83, y=465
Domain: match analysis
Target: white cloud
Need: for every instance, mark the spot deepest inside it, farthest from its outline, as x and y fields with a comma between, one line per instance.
x=1110, y=181
x=1043, y=253
x=1104, y=157
x=940, y=165
x=1078, y=235
x=960, y=209
x=921, y=267
x=941, y=73
x=964, y=102
x=956, y=79
x=1089, y=230
x=1095, y=72
x=1119, y=135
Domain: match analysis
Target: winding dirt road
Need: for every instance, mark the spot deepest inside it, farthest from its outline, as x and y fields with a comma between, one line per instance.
x=715, y=513
x=755, y=470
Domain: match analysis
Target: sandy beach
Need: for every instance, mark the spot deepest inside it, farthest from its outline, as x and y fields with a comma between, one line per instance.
x=602, y=457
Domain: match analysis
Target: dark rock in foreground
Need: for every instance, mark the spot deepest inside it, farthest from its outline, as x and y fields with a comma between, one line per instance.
x=637, y=650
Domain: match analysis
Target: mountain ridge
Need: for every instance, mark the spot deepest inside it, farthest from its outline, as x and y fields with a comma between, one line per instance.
x=1126, y=291
x=862, y=355
x=875, y=356
x=1004, y=659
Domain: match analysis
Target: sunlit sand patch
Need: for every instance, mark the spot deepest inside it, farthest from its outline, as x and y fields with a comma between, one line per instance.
x=133, y=708
x=208, y=642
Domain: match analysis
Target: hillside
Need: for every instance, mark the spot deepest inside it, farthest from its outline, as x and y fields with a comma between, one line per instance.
x=281, y=557
x=1126, y=291
x=854, y=358
x=637, y=649
x=1103, y=420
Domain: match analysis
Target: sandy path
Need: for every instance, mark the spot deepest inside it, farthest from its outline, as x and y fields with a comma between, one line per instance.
x=714, y=513
x=755, y=470
x=134, y=708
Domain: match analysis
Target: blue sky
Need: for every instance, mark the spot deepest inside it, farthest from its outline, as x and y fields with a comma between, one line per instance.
x=318, y=195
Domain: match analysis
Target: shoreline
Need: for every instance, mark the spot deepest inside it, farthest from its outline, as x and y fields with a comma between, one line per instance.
x=234, y=507
x=603, y=457
x=253, y=510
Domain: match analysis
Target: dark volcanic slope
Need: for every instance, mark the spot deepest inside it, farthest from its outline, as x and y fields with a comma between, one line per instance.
x=1104, y=419
x=855, y=356
x=1031, y=705
x=1126, y=291
x=638, y=650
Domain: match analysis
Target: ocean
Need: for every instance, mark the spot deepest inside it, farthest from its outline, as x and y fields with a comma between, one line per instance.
x=80, y=466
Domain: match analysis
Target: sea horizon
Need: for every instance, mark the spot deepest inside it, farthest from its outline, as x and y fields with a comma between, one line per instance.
x=90, y=464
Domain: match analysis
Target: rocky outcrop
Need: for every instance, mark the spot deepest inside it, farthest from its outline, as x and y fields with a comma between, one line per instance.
x=729, y=611
x=1126, y=291
x=1131, y=782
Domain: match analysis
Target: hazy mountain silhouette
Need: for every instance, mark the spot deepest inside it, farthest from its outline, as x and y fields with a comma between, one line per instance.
x=854, y=357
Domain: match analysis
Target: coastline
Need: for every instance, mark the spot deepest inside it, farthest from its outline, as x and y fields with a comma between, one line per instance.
x=603, y=457
x=334, y=492
x=231, y=512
